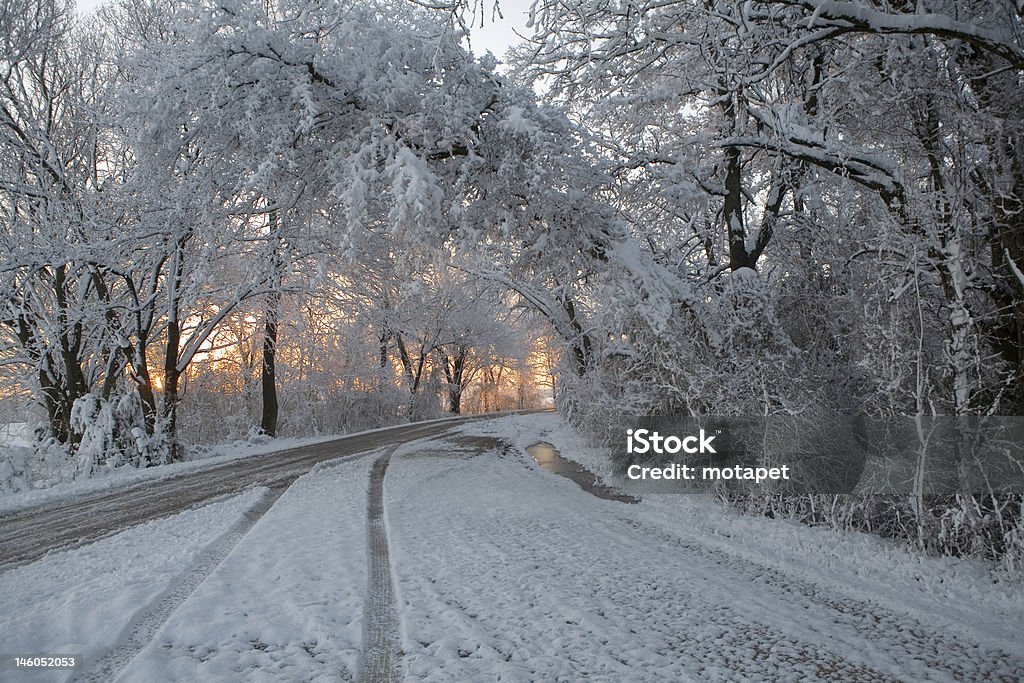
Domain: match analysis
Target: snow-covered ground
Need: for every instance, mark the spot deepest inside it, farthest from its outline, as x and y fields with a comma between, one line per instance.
x=960, y=593
x=82, y=601
x=287, y=604
x=504, y=572
x=511, y=573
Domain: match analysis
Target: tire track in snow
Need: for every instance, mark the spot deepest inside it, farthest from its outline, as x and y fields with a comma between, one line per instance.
x=381, y=651
x=143, y=627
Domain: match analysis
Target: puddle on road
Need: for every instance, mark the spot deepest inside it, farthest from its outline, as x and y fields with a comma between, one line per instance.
x=548, y=457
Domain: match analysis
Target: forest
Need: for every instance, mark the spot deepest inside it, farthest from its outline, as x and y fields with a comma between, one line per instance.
x=237, y=217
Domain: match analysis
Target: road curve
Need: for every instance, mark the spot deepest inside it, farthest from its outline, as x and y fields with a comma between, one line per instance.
x=27, y=535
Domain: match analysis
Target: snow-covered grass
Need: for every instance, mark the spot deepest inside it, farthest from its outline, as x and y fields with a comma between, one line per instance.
x=80, y=601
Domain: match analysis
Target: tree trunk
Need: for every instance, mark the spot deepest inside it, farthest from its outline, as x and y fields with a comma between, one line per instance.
x=384, y=338
x=172, y=372
x=144, y=383
x=732, y=211
x=582, y=349
x=172, y=378
x=268, y=378
x=268, y=422
x=455, y=374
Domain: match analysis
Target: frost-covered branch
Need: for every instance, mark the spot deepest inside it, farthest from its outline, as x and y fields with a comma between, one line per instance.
x=866, y=19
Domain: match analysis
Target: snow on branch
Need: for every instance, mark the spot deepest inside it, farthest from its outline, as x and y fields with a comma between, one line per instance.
x=851, y=16
x=1014, y=267
x=864, y=169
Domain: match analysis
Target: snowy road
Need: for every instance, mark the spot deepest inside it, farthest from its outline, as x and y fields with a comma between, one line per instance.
x=29, y=534
x=456, y=558
x=528, y=578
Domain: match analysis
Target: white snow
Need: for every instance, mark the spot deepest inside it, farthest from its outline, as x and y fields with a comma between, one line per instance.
x=509, y=573
x=505, y=572
x=516, y=123
x=15, y=434
x=962, y=594
x=79, y=601
x=286, y=604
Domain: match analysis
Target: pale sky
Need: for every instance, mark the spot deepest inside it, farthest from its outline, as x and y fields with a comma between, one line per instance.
x=496, y=36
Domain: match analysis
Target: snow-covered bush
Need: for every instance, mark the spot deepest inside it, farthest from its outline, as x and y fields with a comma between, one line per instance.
x=112, y=433
x=731, y=357
x=14, y=468
x=93, y=418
